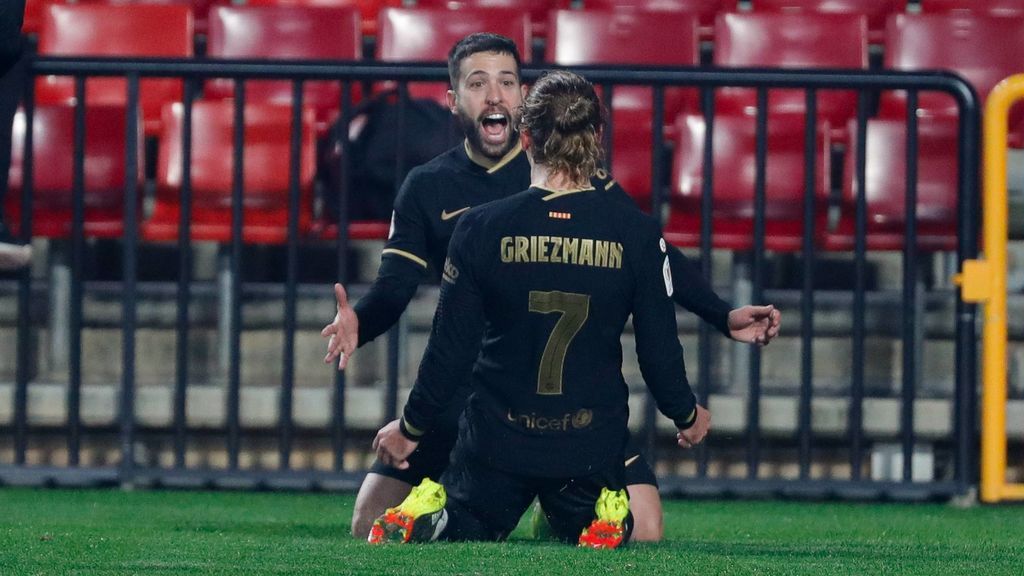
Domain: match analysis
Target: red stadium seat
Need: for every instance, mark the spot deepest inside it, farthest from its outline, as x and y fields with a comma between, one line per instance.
x=426, y=35
x=581, y=37
x=734, y=161
x=276, y=32
x=992, y=7
x=885, y=179
x=266, y=167
x=537, y=9
x=704, y=10
x=200, y=8
x=53, y=131
x=788, y=40
x=876, y=11
x=139, y=30
x=34, y=10
x=982, y=49
x=368, y=9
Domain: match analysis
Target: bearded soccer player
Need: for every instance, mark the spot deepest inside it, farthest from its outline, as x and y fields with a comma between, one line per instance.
x=535, y=294
x=486, y=95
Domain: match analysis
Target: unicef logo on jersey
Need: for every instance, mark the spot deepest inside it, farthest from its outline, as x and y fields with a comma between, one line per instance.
x=580, y=419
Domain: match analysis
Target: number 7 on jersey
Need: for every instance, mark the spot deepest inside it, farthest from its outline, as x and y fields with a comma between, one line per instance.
x=574, y=309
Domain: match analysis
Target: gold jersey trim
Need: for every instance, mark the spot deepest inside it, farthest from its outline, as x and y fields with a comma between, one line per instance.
x=412, y=429
x=405, y=254
x=559, y=193
x=491, y=165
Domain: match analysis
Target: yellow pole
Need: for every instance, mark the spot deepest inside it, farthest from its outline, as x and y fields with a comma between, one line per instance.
x=993, y=421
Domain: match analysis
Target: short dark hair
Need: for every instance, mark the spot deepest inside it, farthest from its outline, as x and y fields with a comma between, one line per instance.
x=565, y=119
x=476, y=43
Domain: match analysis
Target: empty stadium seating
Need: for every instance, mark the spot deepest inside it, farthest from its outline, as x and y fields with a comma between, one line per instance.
x=200, y=8
x=993, y=7
x=876, y=11
x=733, y=182
x=790, y=40
x=886, y=184
x=424, y=34
x=285, y=33
x=368, y=9
x=53, y=137
x=141, y=30
x=266, y=173
x=537, y=9
x=983, y=49
x=704, y=10
x=580, y=37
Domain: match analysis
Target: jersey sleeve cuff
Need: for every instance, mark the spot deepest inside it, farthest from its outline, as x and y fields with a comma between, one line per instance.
x=687, y=422
x=410, y=431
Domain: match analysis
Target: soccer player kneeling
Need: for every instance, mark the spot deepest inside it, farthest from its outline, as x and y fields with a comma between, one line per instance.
x=536, y=291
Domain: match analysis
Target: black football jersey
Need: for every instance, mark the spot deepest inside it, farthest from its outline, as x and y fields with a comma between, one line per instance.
x=535, y=294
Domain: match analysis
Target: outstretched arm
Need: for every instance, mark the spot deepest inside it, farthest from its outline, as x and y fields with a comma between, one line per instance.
x=748, y=324
x=403, y=266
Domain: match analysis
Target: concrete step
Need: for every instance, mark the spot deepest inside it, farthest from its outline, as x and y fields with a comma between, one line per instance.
x=365, y=411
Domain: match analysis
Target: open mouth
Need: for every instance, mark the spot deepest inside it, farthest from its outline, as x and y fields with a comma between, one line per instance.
x=495, y=127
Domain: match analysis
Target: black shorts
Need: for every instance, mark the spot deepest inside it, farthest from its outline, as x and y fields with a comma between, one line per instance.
x=638, y=468
x=433, y=455
x=485, y=503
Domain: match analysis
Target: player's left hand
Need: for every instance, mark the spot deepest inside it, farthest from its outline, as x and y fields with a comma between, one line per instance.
x=755, y=324
x=392, y=446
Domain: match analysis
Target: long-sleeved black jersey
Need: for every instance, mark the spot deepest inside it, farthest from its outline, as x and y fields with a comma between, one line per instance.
x=536, y=291
x=433, y=198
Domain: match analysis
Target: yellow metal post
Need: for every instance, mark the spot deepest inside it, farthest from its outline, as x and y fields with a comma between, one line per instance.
x=992, y=291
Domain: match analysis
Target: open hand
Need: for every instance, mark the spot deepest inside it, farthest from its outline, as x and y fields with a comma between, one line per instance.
x=342, y=332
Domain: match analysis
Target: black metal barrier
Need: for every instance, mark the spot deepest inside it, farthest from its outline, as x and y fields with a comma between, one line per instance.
x=961, y=442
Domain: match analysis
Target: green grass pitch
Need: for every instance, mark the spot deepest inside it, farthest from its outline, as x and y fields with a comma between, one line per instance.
x=110, y=532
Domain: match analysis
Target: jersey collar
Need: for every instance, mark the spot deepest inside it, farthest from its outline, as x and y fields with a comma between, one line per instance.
x=490, y=165
x=552, y=194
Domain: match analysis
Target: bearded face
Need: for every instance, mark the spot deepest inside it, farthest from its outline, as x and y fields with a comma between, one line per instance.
x=487, y=102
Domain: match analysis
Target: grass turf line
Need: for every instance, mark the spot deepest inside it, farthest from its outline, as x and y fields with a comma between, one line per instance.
x=108, y=532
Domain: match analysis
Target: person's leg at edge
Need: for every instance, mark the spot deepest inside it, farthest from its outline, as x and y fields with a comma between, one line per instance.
x=376, y=494
x=13, y=254
x=475, y=503
x=385, y=486
x=644, y=499
x=645, y=504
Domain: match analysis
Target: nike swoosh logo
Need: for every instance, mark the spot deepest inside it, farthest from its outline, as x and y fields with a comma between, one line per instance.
x=446, y=215
x=633, y=459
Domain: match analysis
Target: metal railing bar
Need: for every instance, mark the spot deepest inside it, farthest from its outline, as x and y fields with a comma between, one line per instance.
x=807, y=288
x=126, y=412
x=184, y=279
x=74, y=393
x=235, y=295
